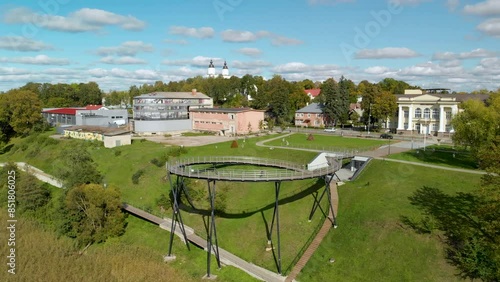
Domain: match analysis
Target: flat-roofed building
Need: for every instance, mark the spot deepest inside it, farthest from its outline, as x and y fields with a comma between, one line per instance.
x=227, y=121
x=162, y=112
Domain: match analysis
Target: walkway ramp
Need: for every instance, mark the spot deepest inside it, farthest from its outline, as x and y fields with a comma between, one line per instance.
x=226, y=257
x=319, y=237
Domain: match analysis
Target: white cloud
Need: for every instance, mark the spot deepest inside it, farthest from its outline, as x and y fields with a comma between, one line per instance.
x=376, y=70
x=230, y=35
x=249, y=65
x=83, y=20
x=198, y=61
x=128, y=48
x=242, y=36
x=452, y=4
x=177, y=42
x=282, y=40
x=328, y=2
x=485, y=8
x=126, y=60
x=408, y=2
x=476, y=53
x=490, y=27
x=252, y=52
x=386, y=53
x=37, y=60
x=202, y=32
x=23, y=44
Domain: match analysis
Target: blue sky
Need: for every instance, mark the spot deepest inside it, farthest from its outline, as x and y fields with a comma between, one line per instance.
x=430, y=43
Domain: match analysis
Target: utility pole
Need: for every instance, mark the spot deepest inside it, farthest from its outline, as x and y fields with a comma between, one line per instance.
x=369, y=117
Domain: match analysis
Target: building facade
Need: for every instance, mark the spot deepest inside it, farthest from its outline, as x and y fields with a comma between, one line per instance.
x=310, y=116
x=424, y=112
x=162, y=112
x=227, y=121
x=92, y=115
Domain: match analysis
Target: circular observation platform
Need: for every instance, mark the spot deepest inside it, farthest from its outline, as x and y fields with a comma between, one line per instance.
x=283, y=170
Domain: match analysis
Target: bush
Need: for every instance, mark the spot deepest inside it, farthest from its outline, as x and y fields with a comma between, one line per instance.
x=234, y=144
x=117, y=153
x=137, y=175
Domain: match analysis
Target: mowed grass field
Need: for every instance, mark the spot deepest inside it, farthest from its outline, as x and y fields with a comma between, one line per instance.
x=439, y=155
x=370, y=244
x=327, y=142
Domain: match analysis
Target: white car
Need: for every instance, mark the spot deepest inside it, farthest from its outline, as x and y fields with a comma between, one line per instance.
x=329, y=130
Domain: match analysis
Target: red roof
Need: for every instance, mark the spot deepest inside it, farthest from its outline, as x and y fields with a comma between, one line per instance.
x=93, y=107
x=313, y=92
x=65, y=111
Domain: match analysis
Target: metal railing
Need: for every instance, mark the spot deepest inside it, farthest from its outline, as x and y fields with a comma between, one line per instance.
x=286, y=171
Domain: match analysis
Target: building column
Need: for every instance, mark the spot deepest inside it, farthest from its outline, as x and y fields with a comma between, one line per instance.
x=454, y=112
x=410, y=118
x=401, y=115
x=442, y=119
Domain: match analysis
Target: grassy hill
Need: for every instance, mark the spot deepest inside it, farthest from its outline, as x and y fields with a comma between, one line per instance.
x=370, y=243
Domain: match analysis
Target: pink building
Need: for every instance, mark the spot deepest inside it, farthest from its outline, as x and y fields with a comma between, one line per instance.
x=227, y=121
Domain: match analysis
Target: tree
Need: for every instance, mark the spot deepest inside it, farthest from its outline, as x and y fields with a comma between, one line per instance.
x=385, y=105
x=477, y=124
x=20, y=111
x=95, y=212
x=336, y=100
x=278, y=91
x=77, y=167
x=30, y=194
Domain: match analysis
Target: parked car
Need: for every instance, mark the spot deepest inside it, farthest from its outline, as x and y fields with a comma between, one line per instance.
x=329, y=130
x=385, y=136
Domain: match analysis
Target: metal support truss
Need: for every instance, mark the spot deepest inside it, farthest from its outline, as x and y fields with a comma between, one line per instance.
x=212, y=233
x=176, y=214
x=276, y=217
x=316, y=203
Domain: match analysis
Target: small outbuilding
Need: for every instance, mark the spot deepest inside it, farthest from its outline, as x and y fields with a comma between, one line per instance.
x=112, y=137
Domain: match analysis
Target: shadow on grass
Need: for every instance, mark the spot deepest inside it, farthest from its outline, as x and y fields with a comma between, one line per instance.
x=246, y=213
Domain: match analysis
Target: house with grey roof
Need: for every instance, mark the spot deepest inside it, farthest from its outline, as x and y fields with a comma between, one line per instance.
x=310, y=116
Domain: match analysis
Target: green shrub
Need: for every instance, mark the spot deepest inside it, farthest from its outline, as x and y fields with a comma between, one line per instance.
x=117, y=153
x=137, y=175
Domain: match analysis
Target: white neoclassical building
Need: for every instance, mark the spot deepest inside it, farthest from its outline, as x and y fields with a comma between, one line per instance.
x=428, y=112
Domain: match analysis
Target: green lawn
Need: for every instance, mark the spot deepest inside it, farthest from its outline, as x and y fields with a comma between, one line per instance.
x=370, y=243
x=439, y=155
x=327, y=142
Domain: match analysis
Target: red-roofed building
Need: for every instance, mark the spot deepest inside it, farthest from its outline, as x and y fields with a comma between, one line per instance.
x=95, y=115
x=312, y=93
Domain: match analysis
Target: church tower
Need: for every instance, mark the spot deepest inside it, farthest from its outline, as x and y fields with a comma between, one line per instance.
x=211, y=69
x=225, y=71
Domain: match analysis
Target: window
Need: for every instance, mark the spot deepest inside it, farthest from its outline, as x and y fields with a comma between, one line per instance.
x=308, y=115
x=448, y=115
x=418, y=113
x=448, y=128
x=406, y=125
x=435, y=113
x=434, y=127
x=427, y=113
x=231, y=116
x=406, y=114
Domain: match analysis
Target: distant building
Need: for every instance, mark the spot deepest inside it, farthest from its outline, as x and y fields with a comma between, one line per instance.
x=211, y=70
x=428, y=111
x=312, y=93
x=162, y=112
x=93, y=115
x=227, y=121
x=112, y=137
x=310, y=116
